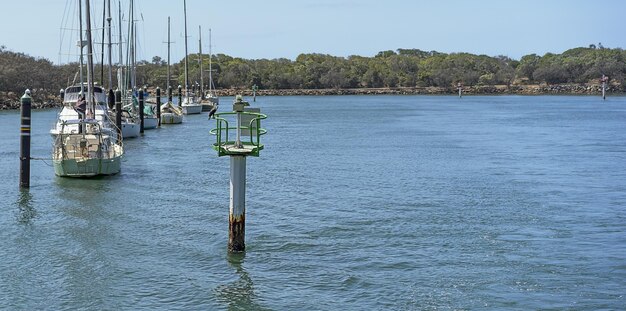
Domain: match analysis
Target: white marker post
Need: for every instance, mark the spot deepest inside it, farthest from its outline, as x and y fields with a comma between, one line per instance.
x=248, y=124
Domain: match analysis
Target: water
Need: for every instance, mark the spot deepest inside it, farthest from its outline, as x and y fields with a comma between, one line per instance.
x=380, y=202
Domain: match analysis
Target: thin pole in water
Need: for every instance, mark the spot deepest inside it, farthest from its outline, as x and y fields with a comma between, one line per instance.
x=118, y=113
x=180, y=95
x=141, y=106
x=158, y=105
x=25, y=140
x=237, y=212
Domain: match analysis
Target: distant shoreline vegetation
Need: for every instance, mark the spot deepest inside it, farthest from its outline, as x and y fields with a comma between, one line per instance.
x=404, y=71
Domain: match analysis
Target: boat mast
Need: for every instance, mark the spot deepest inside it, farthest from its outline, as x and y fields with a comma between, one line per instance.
x=104, y=12
x=129, y=48
x=186, y=53
x=90, y=98
x=109, y=44
x=120, y=61
x=81, y=44
x=134, y=52
x=210, y=69
x=131, y=40
x=200, y=58
x=168, y=53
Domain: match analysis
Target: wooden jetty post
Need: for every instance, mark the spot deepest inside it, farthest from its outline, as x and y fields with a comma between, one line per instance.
x=248, y=124
x=158, y=105
x=254, y=88
x=180, y=95
x=118, y=113
x=25, y=140
x=141, y=106
x=460, y=87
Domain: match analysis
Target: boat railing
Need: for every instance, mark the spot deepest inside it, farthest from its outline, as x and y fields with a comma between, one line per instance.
x=225, y=145
x=93, y=142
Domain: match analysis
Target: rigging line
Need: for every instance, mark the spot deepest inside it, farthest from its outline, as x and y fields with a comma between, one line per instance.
x=42, y=160
x=61, y=30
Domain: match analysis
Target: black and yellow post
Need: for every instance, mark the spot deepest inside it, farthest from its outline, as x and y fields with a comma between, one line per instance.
x=118, y=113
x=180, y=96
x=158, y=105
x=141, y=111
x=25, y=140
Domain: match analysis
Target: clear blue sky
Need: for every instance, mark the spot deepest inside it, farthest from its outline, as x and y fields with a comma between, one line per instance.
x=286, y=28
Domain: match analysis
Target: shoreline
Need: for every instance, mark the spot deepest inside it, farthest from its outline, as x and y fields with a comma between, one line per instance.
x=10, y=101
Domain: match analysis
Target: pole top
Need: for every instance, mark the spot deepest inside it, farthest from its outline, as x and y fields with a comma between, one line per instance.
x=26, y=94
x=158, y=88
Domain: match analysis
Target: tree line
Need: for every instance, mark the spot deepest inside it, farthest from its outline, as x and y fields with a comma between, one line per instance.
x=400, y=68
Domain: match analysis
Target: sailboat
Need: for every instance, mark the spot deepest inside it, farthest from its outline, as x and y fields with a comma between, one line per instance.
x=85, y=146
x=170, y=114
x=131, y=124
x=209, y=100
x=189, y=104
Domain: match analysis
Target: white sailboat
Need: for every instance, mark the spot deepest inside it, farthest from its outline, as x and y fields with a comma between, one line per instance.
x=131, y=124
x=170, y=114
x=84, y=143
x=189, y=104
x=150, y=120
x=209, y=99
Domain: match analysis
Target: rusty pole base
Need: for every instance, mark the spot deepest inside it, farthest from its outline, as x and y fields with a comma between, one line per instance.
x=236, y=233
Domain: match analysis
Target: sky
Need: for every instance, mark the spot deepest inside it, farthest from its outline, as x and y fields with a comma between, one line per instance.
x=286, y=28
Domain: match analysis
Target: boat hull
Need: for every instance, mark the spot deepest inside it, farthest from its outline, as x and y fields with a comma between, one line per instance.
x=209, y=103
x=130, y=130
x=171, y=118
x=150, y=123
x=192, y=108
x=207, y=106
x=87, y=168
x=83, y=156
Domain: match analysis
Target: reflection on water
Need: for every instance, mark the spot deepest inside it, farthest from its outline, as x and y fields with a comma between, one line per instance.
x=26, y=211
x=239, y=295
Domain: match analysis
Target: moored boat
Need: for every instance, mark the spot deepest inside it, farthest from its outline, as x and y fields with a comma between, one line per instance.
x=171, y=114
x=89, y=153
x=84, y=143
